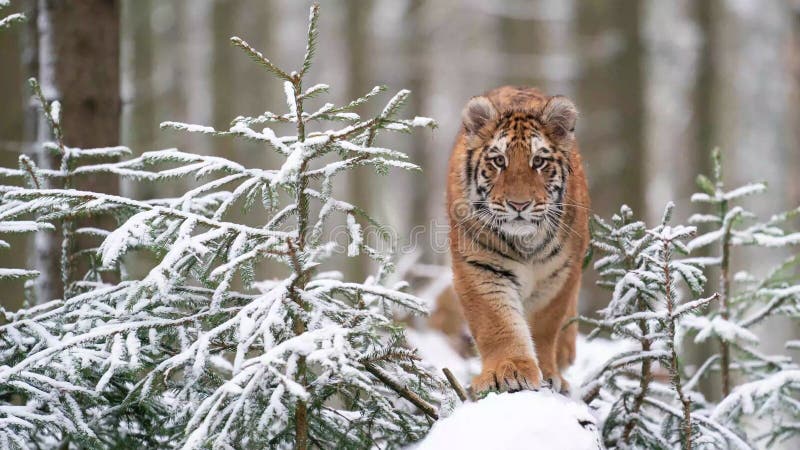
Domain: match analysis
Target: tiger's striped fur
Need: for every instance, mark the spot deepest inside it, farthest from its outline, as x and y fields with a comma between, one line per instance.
x=518, y=209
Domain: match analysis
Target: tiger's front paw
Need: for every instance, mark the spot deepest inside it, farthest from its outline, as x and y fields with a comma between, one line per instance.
x=508, y=375
x=554, y=380
x=558, y=384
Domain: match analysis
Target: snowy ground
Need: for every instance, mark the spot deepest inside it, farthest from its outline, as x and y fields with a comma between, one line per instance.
x=522, y=420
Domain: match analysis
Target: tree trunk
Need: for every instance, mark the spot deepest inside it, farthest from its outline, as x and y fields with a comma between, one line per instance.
x=705, y=95
x=670, y=73
x=755, y=132
x=416, y=59
x=610, y=121
x=12, y=41
x=627, y=88
x=794, y=157
x=196, y=25
x=357, y=26
x=140, y=123
x=79, y=66
x=539, y=46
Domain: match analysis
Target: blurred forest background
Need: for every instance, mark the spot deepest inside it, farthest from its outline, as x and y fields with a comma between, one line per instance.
x=658, y=85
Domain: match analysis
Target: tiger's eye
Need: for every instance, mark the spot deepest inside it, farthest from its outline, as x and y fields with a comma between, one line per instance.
x=538, y=162
x=499, y=161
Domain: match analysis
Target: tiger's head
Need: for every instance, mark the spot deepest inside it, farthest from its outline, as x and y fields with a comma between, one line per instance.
x=518, y=163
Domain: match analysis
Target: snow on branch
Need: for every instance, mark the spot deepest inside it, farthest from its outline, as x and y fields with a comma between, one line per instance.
x=637, y=386
x=198, y=351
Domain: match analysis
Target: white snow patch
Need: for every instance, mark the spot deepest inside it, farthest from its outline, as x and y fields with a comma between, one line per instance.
x=422, y=122
x=435, y=349
x=521, y=420
x=55, y=111
x=590, y=356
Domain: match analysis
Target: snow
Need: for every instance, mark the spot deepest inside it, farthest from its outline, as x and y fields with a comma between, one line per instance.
x=55, y=111
x=726, y=330
x=24, y=226
x=435, y=349
x=288, y=90
x=291, y=167
x=747, y=189
x=521, y=420
x=189, y=297
x=189, y=127
x=744, y=396
x=591, y=355
x=8, y=20
x=423, y=122
x=17, y=273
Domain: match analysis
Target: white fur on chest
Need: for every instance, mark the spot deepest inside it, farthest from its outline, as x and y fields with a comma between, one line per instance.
x=540, y=282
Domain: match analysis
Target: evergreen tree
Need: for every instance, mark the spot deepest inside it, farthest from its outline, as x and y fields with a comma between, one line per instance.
x=772, y=382
x=198, y=352
x=643, y=394
x=640, y=408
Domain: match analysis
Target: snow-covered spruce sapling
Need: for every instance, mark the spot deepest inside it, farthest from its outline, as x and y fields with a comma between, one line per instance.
x=642, y=393
x=60, y=415
x=218, y=358
x=771, y=385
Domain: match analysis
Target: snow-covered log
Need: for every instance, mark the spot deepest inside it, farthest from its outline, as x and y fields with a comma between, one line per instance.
x=522, y=420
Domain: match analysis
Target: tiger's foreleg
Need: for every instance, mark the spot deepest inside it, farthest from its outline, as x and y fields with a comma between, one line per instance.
x=494, y=313
x=555, y=345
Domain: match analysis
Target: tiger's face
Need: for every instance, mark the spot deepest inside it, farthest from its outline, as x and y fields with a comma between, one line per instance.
x=518, y=164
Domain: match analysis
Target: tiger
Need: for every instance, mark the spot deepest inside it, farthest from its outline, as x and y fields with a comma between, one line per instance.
x=518, y=206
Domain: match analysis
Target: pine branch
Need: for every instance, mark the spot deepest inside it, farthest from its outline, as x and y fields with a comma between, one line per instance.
x=311, y=40
x=259, y=58
x=403, y=391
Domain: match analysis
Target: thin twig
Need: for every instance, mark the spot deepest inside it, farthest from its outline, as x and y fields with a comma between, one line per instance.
x=460, y=392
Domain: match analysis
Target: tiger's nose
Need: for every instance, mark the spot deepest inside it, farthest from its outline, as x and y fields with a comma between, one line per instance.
x=518, y=206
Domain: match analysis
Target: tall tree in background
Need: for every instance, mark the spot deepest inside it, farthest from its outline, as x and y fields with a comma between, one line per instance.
x=139, y=121
x=196, y=24
x=538, y=40
x=416, y=55
x=611, y=106
x=794, y=57
x=254, y=23
x=357, y=32
x=12, y=130
x=611, y=110
x=670, y=72
x=754, y=129
x=79, y=45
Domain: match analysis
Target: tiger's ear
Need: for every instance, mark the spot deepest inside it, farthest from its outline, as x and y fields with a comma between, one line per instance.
x=478, y=112
x=559, y=116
